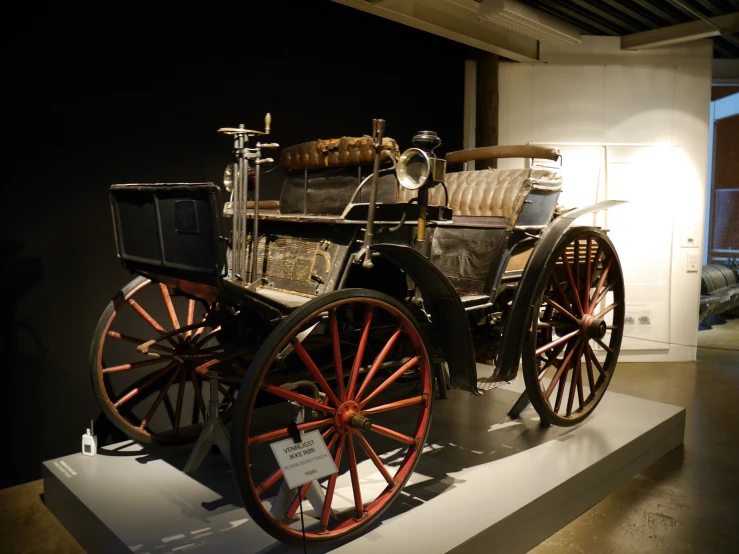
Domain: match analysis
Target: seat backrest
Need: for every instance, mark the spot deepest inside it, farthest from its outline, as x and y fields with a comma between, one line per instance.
x=488, y=192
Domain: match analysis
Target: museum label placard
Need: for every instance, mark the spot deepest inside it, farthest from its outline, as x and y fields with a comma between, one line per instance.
x=304, y=461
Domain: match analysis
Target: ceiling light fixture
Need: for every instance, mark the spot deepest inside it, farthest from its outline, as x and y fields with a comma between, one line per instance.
x=529, y=21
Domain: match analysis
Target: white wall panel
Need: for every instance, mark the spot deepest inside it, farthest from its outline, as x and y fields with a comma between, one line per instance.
x=596, y=94
x=639, y=104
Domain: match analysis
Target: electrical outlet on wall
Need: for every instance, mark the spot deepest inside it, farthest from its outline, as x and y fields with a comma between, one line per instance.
x=693, y=263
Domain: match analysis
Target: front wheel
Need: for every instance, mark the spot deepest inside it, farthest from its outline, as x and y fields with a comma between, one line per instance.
x=576, y=326
x=338, y=365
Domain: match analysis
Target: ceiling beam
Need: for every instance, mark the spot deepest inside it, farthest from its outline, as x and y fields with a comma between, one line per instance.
x=657, y=11
x=619, y=5
x=456, y=20
x=576, y=14
x=607, y=15
x=684, y=32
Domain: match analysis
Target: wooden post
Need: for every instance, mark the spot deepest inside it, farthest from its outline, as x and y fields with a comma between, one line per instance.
x=487, y=105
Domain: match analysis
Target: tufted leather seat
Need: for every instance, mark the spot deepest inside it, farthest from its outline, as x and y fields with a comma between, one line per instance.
x=345, y=151
x=488, y=192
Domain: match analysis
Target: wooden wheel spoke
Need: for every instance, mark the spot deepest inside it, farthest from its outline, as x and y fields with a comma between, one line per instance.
x=338, y=362
x=332, y=485
x=170, y=307
x=576, y=264
x=551, y=325
x=560, y=291
x=580, y=397
x=180, y=397
x=589, y=368
x=146, y=316
x=573, y=286
x=378, y=361
x=375, y=458
x=268, y=482
x=317, y=375
x=573, y=382
x=559, y=341
x=599, y=286
x=158, y=401
x=284, y=432
x=296, y=503
x=137, y=341
x=207, y=337
x=355, y=477
x=219, y=358
x=595, y=360
x=395, y=405
x=390, y=380
x=561, y=370
x=145, y=385
x=360, y=354
x=135, y=365
x=586, y=288
x=551, y=360
x=392, y=434
x=602, y=296
x=561, y=310
x=295, y=397
x=605, y=311
x=560, y=393
x=190, y=314
x=604, y=346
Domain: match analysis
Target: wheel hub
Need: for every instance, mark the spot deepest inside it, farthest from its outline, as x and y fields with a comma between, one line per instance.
x=349, y=416
x=593, y=328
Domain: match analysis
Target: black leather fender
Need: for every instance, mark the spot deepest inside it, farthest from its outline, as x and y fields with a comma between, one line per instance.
x=516, y=319
x=448, y=317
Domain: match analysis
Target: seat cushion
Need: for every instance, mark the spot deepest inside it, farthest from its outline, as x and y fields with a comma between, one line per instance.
x=487, y=192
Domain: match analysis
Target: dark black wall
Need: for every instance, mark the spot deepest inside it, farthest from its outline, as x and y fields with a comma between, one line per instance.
x=137, y=98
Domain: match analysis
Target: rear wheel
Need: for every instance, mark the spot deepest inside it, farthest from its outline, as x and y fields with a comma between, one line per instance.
x=160, y=395
x=576, y=327
x=339, y=365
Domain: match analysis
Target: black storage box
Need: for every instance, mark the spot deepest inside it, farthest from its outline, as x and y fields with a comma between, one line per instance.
x=170, y=229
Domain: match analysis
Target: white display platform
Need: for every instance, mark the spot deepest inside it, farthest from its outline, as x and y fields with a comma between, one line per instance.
x=484, y=484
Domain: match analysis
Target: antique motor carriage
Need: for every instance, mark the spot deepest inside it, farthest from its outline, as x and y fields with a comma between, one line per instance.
x=377, y=282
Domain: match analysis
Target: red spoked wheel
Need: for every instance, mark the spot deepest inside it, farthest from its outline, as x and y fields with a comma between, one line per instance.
x=334, y=365
x=159, y=393
x=571, y=349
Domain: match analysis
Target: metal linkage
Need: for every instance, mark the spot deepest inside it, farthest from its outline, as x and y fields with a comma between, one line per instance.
x=245, y=157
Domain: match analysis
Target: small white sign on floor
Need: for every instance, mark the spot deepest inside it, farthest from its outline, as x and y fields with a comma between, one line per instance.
x=304, y=461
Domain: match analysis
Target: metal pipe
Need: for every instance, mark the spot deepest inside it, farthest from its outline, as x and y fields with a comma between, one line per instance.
x=378, y=130
x=423, y=203
x=255, y=240
x=244, y=184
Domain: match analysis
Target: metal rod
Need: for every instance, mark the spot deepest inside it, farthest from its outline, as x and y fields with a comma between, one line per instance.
x=244, y=185
x=423, y=203
x=305, y=191
x=378, y=130
x=255, y=239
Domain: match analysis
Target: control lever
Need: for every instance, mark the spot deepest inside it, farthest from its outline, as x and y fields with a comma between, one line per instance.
x=268, y=145
x=265, y=161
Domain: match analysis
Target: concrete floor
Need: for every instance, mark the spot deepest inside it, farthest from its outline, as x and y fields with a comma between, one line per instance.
x=687, y=502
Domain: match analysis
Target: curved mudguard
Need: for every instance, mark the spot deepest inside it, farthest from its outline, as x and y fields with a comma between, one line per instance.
x=448, y=317
x=513, y=335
